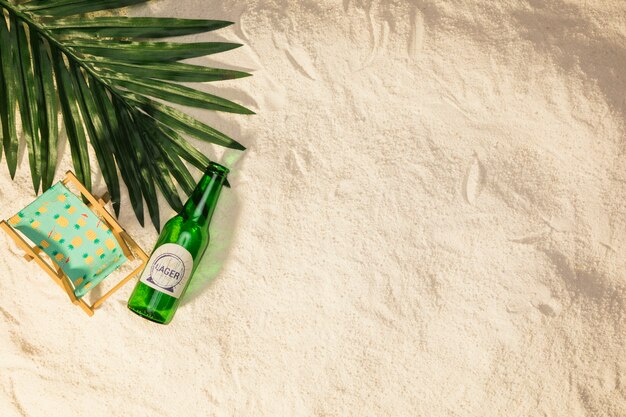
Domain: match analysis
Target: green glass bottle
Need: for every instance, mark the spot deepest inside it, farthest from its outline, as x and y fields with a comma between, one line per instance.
x=180, y=246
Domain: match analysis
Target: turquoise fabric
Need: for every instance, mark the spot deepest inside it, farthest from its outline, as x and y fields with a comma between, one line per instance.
x=72, y=235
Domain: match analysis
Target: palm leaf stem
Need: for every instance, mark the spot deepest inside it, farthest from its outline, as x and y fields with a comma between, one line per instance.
x=49, y=36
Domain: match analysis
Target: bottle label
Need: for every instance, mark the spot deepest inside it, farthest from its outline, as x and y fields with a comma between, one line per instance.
x=168, y=269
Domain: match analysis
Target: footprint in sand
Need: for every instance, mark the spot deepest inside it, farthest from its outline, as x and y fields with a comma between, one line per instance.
x=416, y=37
x=297, y=56
x=474, y=180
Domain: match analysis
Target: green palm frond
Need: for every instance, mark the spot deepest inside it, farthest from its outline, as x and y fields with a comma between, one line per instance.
x=111, y=86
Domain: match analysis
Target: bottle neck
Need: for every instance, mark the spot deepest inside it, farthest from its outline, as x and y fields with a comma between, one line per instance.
x=201, y=204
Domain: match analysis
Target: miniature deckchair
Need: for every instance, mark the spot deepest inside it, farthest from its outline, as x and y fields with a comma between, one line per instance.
x=83, y=241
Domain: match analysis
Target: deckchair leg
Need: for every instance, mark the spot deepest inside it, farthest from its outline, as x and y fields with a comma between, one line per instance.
x=64, y=282
x=119, y=285
x=134, y=246
x=85, y=307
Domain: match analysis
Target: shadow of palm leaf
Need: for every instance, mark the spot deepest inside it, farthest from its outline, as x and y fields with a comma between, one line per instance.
x=577, y=43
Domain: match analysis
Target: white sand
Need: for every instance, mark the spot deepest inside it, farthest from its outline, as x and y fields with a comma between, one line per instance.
x=429, y=221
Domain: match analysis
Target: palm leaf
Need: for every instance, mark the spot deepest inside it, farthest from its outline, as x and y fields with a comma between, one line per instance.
x=170, y=139
x=8, y=100
x=47, y=109
x=180, y=121
x=58, y=8
x=132, y=27
x=178, y=94
x=100, y=142
x=26, y=95
x=105, y=75
x=99, y=133
x=160, y=172
x=173, y=71
x=73, y=124
x=122, y=154
x=140, y=160
x=149, y=51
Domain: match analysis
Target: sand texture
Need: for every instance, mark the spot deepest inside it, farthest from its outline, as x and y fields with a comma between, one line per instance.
x=429, y=221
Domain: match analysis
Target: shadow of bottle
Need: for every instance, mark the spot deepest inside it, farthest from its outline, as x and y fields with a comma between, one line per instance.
x=222, y=232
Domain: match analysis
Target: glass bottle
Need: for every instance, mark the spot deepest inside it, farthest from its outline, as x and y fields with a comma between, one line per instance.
x=176, y=254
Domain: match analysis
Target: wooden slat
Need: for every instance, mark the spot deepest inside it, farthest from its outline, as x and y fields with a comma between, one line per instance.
x=30, y=258
x=136, y=248
x=117, y=286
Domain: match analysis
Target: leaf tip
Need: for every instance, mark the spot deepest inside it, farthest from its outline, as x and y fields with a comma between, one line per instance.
x=238, y=146
x=220, y=24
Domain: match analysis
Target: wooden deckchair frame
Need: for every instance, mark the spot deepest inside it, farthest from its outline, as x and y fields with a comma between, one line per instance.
x=129, y=247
